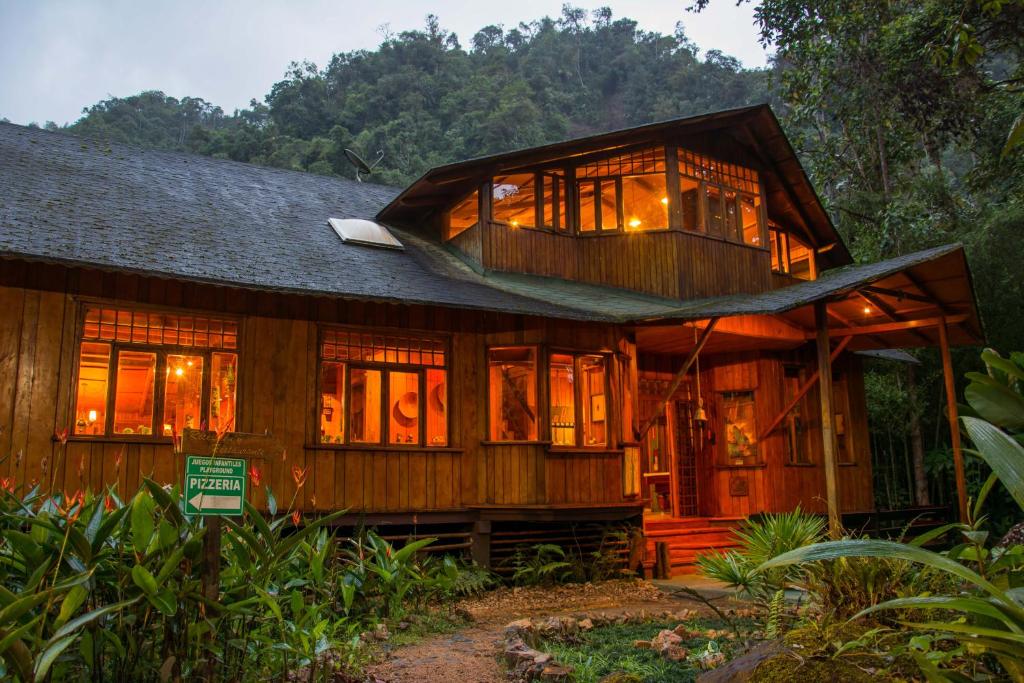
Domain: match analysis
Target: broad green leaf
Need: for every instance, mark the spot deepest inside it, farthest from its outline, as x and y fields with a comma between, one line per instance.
x=1003, y=454
x=13, y=636
x=144, y=580
x=45, y=660
x=165, y=601
x=1015, y=138
x=995, y=402
x=72, y=601
x=411, y=548
x=80, y=621
x=142, y=521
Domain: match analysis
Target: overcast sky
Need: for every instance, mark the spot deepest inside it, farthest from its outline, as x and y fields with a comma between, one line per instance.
x=58, y=56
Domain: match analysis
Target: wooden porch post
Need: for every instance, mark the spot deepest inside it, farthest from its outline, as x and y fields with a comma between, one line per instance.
x=828, y=417
x=954, y=421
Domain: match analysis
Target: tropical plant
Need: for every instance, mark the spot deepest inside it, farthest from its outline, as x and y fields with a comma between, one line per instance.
x=385, y=577
x=539, y=564
x=989, y=601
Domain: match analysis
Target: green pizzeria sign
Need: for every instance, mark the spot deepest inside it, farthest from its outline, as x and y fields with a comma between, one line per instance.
x=214, y=486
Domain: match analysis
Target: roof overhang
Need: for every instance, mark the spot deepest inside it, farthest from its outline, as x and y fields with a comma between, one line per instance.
x=899, y=303
x=754, y=132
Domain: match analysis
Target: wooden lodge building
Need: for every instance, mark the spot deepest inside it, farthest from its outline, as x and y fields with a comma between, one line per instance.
x=624, y=326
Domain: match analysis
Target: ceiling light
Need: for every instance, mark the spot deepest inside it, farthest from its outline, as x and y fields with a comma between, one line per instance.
x=179, y=371
x=867, y=310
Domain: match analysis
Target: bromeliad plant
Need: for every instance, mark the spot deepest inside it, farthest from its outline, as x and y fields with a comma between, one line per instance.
x=984, y=613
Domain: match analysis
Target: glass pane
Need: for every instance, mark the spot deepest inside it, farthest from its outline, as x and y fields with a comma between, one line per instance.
x=437, y=407
x=464, y=215
x=715, y=219
x=133, y=405
x=513, y=200
x=91, y=404
x=512, y=382
x=404, y=415
x=561, y=199
x=750, y=218
x=563, y=401
x=689, y=195
x=183, y=393
x=780, y=251
x=732, y=217
x=592, y=394
x=549, y=200
x=332, y=402
x=609, y=205
x=740, y=427
x=645, y=202
x=224, y=373
x=587, y=193
x=795, y=427
x=799, y=259
x=365, y=404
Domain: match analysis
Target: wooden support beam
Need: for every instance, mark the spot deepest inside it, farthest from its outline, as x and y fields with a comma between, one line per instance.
x=890, y=312
x=954, y=422
x=808, y=385
x=828, y=417
x=896, y=327
x=678, y=379
x=899, y=295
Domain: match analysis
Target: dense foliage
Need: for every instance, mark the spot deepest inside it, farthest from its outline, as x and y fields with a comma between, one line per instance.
x=96, y=588
x=906, y=114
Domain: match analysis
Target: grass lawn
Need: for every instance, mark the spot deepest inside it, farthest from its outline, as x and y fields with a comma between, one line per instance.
x=610, y=649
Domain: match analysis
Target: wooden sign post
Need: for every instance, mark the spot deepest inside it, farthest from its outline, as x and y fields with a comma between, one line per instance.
x=216, y=471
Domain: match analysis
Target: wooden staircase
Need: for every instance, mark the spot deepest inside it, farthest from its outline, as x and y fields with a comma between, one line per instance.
x=687, y=537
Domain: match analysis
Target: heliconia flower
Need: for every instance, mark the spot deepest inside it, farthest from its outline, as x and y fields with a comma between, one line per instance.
x=7, y=484
x=108, y=504
x=62, y=436
x=73, y=505
x=296, y=518
x=299, y=475
x=118, y=458
x=255, y=476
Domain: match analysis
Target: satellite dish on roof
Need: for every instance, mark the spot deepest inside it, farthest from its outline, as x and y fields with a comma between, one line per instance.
x=360, y=164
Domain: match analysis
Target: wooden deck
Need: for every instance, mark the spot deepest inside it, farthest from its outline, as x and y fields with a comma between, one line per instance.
x=686, y=537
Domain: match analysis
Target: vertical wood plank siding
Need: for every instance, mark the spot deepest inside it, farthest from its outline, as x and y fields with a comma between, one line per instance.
x=277, y=391
x=667, y=263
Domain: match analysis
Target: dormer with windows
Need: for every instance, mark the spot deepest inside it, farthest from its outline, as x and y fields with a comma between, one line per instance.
x=662, y=209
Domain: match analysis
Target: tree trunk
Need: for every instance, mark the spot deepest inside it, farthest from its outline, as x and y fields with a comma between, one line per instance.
x=921, y=496
x=883, y=162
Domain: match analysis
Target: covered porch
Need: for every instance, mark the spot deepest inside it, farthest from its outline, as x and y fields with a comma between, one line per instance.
x=736, y=417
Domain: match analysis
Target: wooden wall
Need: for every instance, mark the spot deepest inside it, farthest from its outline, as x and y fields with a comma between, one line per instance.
x=774, y=485
x=668, y=263
x=277, y=392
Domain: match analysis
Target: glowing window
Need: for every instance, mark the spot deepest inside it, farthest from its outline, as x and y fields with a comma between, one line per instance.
x=578, y=398
x=512, y=391
x=513, y=199
x=464, y=215
x=739, y=427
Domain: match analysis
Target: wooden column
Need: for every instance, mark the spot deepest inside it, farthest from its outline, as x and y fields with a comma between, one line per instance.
x=954, y=421
x=828, y=417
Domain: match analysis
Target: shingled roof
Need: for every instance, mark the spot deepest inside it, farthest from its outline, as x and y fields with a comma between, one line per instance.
x=82, y=202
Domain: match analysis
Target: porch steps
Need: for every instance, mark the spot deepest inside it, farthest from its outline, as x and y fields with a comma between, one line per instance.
x=687, y=538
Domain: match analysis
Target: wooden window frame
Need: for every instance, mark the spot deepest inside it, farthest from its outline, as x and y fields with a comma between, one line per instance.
x=385, y=369
x=723, y=461
x=577, y=400
x=161, y=351
x=542, y=412
x=451, y=207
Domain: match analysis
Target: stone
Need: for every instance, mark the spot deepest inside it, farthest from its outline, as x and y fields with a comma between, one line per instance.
x=585, y=624
x=403, y=625
x=683, y=631
x=742, y=668
x=664, y=640
x=518, y=626
x=555, y=672
x=380, y=632
x=675, y=653
x=642, y=644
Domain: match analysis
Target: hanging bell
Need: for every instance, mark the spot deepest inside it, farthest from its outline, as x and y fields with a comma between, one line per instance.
x=700, y=417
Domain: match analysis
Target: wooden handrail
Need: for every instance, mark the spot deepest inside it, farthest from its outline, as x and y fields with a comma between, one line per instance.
x=808, y=385
x=678, y=379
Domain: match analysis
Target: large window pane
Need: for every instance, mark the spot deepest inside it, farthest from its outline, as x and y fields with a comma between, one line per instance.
x=609, y=205
x=563, y=400
x=689, y=195
x=732, y=216
x=404, y=414
x=93, y=373
x=133, y=405
x=513, y=200
x=512, y=382
x=332, y=402
x=365, y=401
x=223, y=387
x=740, y=427
x=587, y=192
x=464, y=215
x=645, y=202
x=592, y=395
x=183, y=393
x=716, y=221
x=437, y=407
x=750, y=219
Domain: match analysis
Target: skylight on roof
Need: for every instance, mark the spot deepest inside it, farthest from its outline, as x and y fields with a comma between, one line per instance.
x=364, y=232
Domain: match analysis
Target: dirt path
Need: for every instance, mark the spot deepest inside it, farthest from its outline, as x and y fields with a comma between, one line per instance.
x=470, y=655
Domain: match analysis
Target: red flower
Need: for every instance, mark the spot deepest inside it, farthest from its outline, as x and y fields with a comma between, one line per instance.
x=62, y=436
x=299, y=476
x=73, y=505
x=296, y=518
x=255, y=476
x=7, y=484
x=108, y=504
